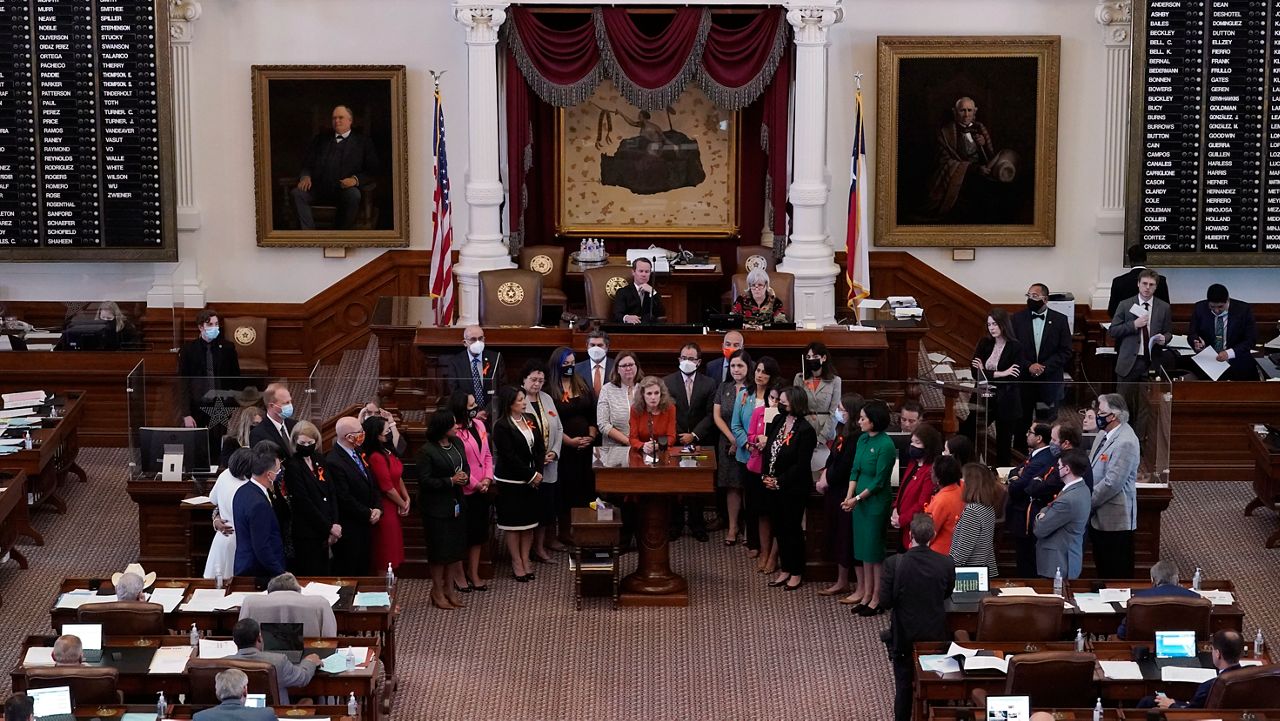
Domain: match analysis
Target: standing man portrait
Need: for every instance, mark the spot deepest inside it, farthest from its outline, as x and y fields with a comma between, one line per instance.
x=638, y=301
x=475, y=369
x=359, y=500
x=1227, y=325
x=1142, y=326
x=336, y=165
x=1046, y=352
x=279, y=422
x=1115, y=458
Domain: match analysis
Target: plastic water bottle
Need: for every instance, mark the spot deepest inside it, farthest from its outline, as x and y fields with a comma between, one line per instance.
x=162, y=706
x=1097, y=711
x=1057, y=581
x=1196, y=579
x=1257, y=644
x=1079, y=639
x=351, y=660
x=195, y=636
x=217, y=579
x=353, y=706
x=391, y=577
x=27, y=443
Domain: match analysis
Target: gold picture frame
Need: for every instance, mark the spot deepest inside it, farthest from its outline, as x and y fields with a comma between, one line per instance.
x=993, y=186
x=677, y=181
x=293, y=107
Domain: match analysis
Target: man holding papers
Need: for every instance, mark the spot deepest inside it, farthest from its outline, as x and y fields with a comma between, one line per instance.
x=1226, y=325
x=1227, y=648
x=1142, y=326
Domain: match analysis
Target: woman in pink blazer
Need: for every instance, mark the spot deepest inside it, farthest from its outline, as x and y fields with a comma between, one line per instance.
x=475, y=443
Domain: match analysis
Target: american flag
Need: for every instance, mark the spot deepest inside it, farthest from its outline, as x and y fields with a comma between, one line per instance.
x=442, y=220
x=856, y=270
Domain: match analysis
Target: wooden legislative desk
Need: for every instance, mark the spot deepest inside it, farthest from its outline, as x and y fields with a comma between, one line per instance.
x=953, y=713
x=53, y=457
x=13, y=512
x=1205, y=441
x=132, y=655
x=623, y=471
x=684, y=292
x=1266, y=478
x=180, y=712
x=964, y=616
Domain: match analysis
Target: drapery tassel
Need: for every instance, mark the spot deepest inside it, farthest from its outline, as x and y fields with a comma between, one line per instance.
x=738, y=98
x=650, y=98
x=561, y=96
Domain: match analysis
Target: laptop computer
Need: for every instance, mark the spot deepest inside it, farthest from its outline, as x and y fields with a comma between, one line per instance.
x=1008, y=708
x=283, y=638
x=90, y=635
x=1176, y=648
x=52, y=704
x=256, y=700
x=972, y=584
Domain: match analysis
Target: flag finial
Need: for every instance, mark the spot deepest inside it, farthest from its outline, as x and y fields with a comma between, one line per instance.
x=436, y=75
x=857, y=80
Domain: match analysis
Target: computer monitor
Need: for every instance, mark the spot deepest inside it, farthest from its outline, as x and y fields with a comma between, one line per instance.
x=1008, y=708
x=50, y=702
x=971, y=578
x=194, y=442
x=90, y=635
x=1175, y=644
x=89, y=334
x=283, y=638
x=256, y=700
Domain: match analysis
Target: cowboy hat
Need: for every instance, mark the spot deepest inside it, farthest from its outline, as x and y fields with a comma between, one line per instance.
x=148, y=579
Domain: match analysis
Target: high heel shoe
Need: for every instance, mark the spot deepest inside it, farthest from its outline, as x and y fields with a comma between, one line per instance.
x=780, y=581
x=464, y=589
x=789, y=587
x=868, y=611
x=525, y=578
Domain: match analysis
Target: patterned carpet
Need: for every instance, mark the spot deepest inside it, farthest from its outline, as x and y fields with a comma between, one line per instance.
x=740, y=651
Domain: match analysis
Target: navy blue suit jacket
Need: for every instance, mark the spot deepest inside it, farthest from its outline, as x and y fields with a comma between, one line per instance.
x=259, y=545
x=1164, y=589
x=1242, y=335
x=1027, y=490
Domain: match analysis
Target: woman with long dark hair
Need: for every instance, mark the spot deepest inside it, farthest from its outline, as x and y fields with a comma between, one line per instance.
x=542, y=409
x=995, y=362
x=868, y=500
x=787, y=482
x=833, y=484
x=475, y=443
x=728, y=473
x=576, y=405
x=764, y=377
x=442, y=473
x=518, y=456
x=819, y=381
x=388, y=472
x=916, y=487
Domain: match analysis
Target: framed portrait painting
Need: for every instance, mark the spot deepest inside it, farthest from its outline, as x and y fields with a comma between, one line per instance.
x=967, y=135
x=330, y=155
x=623, y=171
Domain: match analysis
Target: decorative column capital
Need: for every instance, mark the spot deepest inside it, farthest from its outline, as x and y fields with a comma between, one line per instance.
x=182, y=20
x=812, y=18
x=1116, y=19
x=481, y=19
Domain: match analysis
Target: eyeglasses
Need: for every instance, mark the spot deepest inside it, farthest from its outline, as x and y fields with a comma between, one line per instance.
x=1035, y=296
x=626, y=365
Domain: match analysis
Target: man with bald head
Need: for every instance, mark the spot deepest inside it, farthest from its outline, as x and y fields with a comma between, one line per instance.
x=718, y=369
x=359, y=502
x=336, y=165
x=476, y=370
x=68, y=651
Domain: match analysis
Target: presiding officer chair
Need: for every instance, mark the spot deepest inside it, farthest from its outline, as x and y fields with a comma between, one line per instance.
x=203, y=672
x=1148, y=614
x=1061, y=679
x=89, y=684
x=783, y=285
x=125, y=618
x=751, y=257
x=510, y=297
x=1251, y=687
x=1017, y=618
x=601, y=284
x=547, y=261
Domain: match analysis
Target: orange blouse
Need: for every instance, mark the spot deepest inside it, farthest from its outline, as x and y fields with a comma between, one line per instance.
x=945, y=507
x=663, y=424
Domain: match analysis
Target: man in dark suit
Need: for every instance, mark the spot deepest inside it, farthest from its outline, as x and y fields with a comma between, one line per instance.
x=694, y=396
x=337, y=164
x=1045, y=336
x=638, y=302
x=1228, y=647
x=208, y=369
x=259, y=544
x=279, y=422
x=1123, y=285
x=359, y=502
x=475, y=369
x=1141, y=326
x=598, y=366
x=915, y=586
x=1164, y=582
x=1227, y=325
x=718, y=369
x=1023, y=503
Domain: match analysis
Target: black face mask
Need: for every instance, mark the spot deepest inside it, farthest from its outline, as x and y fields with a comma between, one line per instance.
x=915, y=453
x=812, y=365
x=566, y=371
x=306, y=451
x=783, y=411
x=473, y=412
x=1035, y=306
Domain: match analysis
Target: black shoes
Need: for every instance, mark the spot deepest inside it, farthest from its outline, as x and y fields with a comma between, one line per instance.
x=779, y=581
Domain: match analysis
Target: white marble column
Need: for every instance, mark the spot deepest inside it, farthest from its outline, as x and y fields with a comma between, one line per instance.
x=484, y=249
x=1116, y=19
x=810, y=256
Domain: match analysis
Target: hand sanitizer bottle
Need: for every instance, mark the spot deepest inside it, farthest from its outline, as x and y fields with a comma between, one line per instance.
x=353, y=706
x=1196, y=579
x=1079, y=639
x=162, y=706
x=1057, y=581
x=195, y=636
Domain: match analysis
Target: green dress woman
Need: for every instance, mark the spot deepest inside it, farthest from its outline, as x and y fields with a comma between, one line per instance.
x=868, y=499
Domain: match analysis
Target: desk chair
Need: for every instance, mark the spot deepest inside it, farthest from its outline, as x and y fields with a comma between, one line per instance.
x=125, y=618
x=510, y=297
x=1017, y=618
x=783, y=285
x=749, y=258
x=1060, y=679
x=547, y=261
x=1148, y=614
x=250, y=336
x=325, y=215
x=1252, y=687
x=601, y=284
x=203, y=671
x=89, y=684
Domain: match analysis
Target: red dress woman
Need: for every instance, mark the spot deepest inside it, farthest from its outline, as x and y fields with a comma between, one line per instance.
x=387, y=470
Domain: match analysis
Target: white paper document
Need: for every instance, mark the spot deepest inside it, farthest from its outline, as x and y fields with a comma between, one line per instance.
x=958, y=650
x=1208, y=361
x=41, y=656
x=217, y=649
x=871, y=303
x=940, y=663
x=168, y=597
x=1092, y=603
x=1273, y=344
x=1138, y=311
x=1179, y=342
x=1018, y=591
x=205, y=599
x=1189, y=675
x=11, y=441
x=24, y=398
x=1114, y=595
x=1219, y=598
x=327, y=591
x=79, y=597
x=197, y=500
x=901, y=313
x=17, y=412
x=941, y=358
x=1121, y=670
x=237, y=599
x=170, y=659
x=902, y=301
x=987, y=663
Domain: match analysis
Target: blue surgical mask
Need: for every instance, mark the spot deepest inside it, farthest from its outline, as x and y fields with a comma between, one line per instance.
x=1055, y=447
x=286, y=410
x=211, y=334
x=840, y=415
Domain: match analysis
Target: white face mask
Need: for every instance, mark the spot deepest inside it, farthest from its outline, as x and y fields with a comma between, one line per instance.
x=476, y=347
x=596, y=353
x=840, y=416
x=688, y=367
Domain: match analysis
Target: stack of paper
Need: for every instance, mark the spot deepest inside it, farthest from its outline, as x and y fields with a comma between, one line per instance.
x=170, y=659
x=940, y=663
x=1219, y=598
x=373, y=598
x=81, y=596
x=236, y=599
x=217, y=649
x=17, y=412
x=205, y=600
x=1121, y=670
x=987, y=663
x=327, y=591
x=1189, y=675
x=168, y=597
x=1115, y=595
x=197, y=500
x=1018, y=591
x=1092, y=603
x=37, y=657
x=23, y=399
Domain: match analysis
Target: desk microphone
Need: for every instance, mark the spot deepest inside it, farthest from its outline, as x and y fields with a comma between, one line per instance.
x=494, y=375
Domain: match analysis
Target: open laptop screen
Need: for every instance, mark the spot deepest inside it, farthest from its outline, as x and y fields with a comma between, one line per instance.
x=1175, y=644
x=971, y=578
x=52, y=701
x=256, y=700
x=1008, y=708
x=90, y=634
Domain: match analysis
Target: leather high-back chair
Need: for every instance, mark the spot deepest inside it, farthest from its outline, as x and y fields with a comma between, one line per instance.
x=89, y=684
x=1019, y=618
x=751, y=257
x=601, y=284
x=783, y=285
x=249, y=333
x=1062, y=679
x=1252, y=687
x=203, y=672
x=510, y=297
x=125, y=618
x=547, y=261
x=1148, y=614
